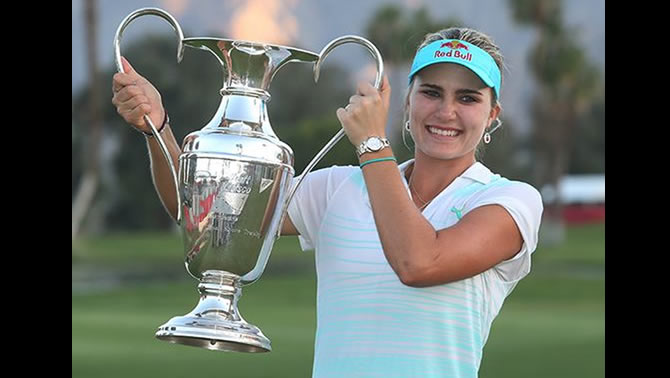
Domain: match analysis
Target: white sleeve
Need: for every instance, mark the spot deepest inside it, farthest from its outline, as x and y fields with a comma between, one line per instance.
x=310, y=202
x=524, y=203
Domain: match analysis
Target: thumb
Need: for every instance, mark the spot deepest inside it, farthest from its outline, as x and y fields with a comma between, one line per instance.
x=385, y=91
x=127, y=68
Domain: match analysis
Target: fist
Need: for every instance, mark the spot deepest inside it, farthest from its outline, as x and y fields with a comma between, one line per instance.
x=135, y=96
x=366, y=113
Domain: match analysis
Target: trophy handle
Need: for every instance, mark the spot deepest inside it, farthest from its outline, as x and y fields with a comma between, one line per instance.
x=180, y=54
x=317, y=69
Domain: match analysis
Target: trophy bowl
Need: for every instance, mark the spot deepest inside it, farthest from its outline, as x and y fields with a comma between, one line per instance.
x=230, y=219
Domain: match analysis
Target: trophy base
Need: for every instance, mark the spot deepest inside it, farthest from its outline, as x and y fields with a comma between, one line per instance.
x=214, y=335
x=215, y=323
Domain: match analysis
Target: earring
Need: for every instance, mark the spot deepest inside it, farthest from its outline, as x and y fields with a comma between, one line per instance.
x=404, y=140
x=487, y=135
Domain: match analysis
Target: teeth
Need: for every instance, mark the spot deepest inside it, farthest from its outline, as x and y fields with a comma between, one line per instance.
x=435, y=130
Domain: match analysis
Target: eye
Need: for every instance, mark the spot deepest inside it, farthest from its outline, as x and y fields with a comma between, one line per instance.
x=431, y=93
x=469, y=99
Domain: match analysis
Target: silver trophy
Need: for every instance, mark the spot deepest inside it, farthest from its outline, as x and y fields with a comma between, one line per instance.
x=233, y=185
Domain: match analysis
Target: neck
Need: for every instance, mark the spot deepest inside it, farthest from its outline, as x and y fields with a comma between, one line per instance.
x=423, y=175
x=244, y=111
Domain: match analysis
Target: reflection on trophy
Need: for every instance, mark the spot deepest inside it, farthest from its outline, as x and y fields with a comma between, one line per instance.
x=233, y=186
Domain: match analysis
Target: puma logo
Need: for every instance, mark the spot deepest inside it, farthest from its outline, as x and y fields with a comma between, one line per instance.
x=458, y=212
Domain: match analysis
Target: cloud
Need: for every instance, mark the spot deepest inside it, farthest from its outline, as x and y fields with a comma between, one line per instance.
x=269, y=21
x=175, y=7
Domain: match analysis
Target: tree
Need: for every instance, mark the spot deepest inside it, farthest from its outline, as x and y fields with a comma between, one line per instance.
x=567, y=85
x=88, y=185
x=303, y=113
x=588, y=150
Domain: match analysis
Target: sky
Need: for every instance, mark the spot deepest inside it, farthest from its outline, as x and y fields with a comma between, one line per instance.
x=310, y=24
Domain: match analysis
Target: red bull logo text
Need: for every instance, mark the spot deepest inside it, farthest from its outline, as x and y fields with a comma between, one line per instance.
x=454, y=47
x=455, y=54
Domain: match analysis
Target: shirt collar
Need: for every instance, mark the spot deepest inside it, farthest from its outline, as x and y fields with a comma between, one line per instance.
x=476, y=172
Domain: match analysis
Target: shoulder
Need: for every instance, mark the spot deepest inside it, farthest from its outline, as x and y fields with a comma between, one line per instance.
x=502, y=187
x=494, y=186
x=521, y=200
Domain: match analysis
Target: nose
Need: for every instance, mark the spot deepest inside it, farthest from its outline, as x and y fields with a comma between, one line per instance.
x=446, y=109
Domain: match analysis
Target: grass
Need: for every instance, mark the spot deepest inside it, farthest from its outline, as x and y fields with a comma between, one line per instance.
x=112, y=333
x=121, y=249
x=552, y=325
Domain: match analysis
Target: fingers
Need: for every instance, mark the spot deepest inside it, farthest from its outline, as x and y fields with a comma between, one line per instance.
x=128, y=77
x=135, y=97
x=135, y=115
x=128, y=93
x=357, y=102
x=121, y=80
x=366, y=89
x=131, y=102
x=353, y=107
x=341, y=115
x=128, y=99
x=366, y=112
x=133, y=111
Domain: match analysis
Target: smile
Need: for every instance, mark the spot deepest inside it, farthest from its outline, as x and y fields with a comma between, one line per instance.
x=442, y=132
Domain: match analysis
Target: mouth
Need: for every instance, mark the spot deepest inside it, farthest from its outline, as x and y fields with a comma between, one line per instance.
x=443, y=132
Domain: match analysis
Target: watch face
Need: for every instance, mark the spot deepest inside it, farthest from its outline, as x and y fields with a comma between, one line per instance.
x=375, y=144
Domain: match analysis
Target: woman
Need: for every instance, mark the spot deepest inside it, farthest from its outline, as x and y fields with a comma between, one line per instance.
x=413, y=260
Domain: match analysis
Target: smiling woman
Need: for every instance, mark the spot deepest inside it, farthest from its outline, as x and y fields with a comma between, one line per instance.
x=415, y=260
x=426, y=251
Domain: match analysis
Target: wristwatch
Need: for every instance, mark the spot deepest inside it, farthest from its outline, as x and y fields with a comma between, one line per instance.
x=372, y=144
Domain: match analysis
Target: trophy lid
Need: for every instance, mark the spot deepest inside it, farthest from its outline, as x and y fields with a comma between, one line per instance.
x=250, y=66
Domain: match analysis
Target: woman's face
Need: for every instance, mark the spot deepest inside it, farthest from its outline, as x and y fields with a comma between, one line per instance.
x=449, y=109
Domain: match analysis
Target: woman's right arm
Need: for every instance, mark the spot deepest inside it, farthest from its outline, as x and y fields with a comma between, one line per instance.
x=160, y=170
x=134, y=97
x=288, y=228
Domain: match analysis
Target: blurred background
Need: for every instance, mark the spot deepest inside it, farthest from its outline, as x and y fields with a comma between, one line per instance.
x=128, y=275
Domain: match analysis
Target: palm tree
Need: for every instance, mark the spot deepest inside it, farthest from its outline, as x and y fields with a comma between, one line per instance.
x=89, y=182
x=566, y=86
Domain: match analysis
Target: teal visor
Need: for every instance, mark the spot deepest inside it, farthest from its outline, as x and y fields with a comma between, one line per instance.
x=459, y=52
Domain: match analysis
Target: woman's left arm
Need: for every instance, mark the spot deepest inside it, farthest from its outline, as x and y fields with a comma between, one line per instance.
x=419, y=254
x=422, y=256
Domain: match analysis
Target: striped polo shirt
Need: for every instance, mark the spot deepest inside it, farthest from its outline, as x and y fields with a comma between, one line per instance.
x=369, y=324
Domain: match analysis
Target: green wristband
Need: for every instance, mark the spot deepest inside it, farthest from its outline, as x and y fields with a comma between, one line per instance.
x=376, y=160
